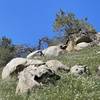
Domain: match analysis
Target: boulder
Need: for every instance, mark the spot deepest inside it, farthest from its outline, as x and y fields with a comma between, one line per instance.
x=54, y=51
x=12, y=66
x=18, y=64
x=82, y=45
x=56, y=65
x=78, y=70
x=32, y=77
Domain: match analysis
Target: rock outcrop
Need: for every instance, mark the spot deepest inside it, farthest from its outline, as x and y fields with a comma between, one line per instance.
x=78, y=70
x=32, y=77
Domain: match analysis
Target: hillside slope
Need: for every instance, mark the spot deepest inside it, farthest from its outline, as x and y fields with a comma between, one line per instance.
x=68, y=87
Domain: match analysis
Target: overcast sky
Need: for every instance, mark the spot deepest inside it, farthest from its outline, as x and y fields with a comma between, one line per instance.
x=25, y=21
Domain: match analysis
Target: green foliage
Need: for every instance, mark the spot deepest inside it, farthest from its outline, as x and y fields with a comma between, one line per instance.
x=7, y=51
x=6, y=55
x=5, y=42
x=68, y=24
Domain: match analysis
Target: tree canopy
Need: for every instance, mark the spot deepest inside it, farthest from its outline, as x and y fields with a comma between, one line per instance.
x=67, y=24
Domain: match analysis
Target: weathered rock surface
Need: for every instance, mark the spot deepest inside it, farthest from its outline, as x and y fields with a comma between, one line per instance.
x=12, y=66
x=56, y=65
x=78, y=70
x=53, y=51
x=17, y=65
x=32, y=77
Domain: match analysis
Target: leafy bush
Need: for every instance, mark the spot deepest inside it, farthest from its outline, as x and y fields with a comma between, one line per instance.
x=67, y=24
x=7, y=51
x=6, y=55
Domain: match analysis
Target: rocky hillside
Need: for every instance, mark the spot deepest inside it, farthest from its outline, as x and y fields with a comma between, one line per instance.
x=68, y=87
